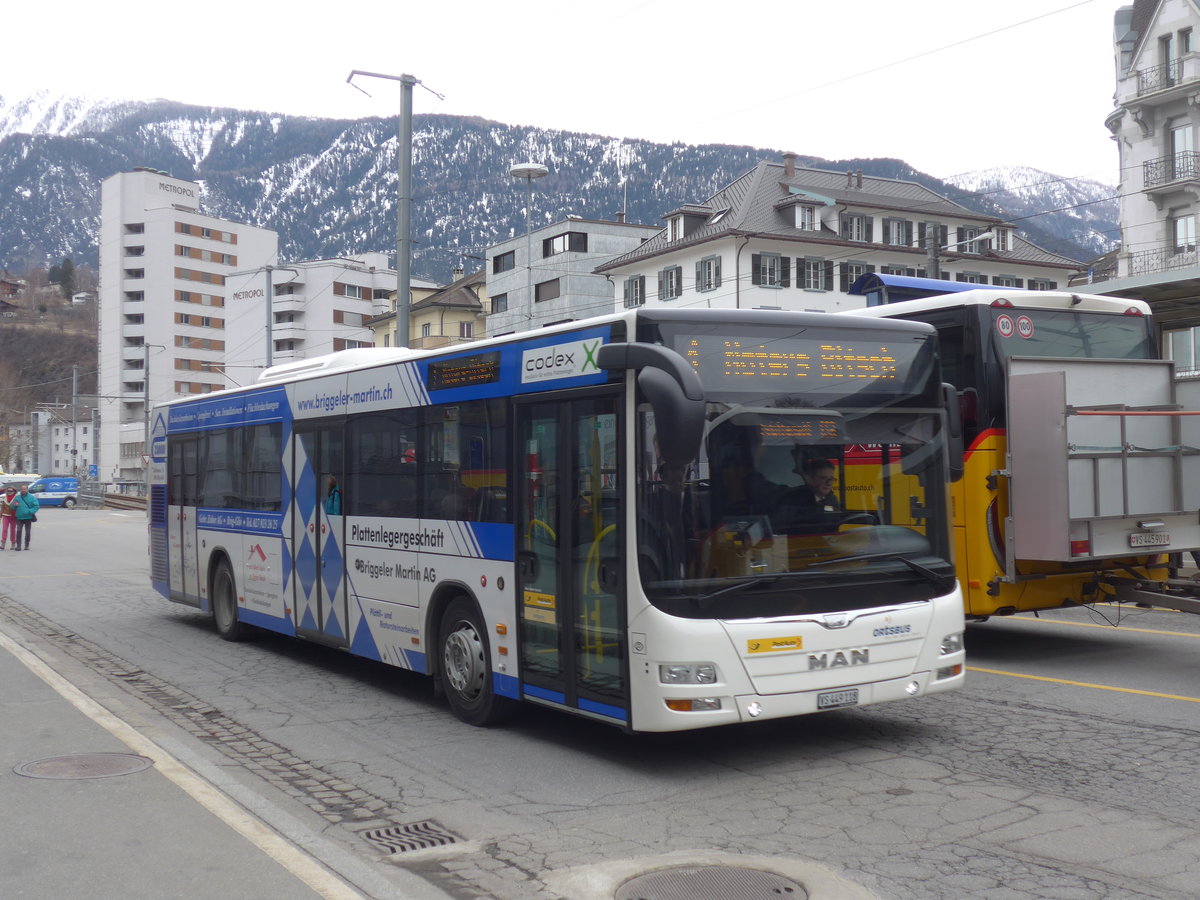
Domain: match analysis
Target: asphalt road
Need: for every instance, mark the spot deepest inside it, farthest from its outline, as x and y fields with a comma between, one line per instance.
x=1065, y=769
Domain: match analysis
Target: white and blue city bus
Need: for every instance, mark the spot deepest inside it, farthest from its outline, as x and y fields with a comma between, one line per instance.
x=593, y=517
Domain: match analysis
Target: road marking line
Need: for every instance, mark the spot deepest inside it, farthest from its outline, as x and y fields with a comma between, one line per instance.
x=248, y=826
x=1086, y=684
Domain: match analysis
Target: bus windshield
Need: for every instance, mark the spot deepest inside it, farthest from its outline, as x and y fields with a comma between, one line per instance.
x=1064, y=334
x=790, y=510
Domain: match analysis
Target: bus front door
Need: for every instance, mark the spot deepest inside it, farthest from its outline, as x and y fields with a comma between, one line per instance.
x=569, y=536
x=319, y=604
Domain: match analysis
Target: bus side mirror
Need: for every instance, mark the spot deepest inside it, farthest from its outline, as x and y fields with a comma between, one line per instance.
x=954, y=431
x=673, y=389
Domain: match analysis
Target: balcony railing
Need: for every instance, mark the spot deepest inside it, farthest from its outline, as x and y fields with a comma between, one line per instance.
x=1159, y=78
x=1179, y=167
x=1162, y=259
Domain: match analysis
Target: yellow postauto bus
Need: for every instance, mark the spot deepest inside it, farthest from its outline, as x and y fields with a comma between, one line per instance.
x=1080, y=469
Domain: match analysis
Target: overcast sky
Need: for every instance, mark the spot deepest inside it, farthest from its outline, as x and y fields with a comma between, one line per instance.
x=949, y=86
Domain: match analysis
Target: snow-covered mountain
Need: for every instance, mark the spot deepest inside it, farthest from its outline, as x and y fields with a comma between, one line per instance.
x=329, y=186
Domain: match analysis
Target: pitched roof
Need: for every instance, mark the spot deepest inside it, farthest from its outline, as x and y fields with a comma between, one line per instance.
x=460, y=294
x=756, y=204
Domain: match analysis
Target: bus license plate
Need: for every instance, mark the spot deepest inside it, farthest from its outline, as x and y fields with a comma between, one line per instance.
x=1150, y=539
x=837, y=699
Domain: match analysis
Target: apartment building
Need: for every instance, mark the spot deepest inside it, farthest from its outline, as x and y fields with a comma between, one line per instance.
x=162, y=317
x=548, y=276
x=782, y=237
x=1154, y=123
x=317, y=307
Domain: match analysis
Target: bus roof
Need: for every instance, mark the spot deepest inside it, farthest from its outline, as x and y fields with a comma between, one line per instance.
x=1017, y=298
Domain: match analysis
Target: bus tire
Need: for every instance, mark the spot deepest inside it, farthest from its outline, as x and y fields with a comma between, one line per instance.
x=223, y=594
x=466, y=673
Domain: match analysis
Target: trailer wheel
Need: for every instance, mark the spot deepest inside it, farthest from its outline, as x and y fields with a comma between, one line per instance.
x=466, y=672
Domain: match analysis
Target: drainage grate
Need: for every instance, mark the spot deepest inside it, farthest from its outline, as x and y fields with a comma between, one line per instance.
x=710, y=883
x=84, y=765
x=414, y=836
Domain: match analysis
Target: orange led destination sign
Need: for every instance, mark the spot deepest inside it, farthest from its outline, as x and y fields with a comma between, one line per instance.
x=837, y=361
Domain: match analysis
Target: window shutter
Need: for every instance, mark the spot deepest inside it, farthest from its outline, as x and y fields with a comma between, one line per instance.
x=887, y=229
x=845, y=228
x=908, y=233
x=756, y=268
x=827, y=283
x=1019, y=282
x=699, y=276
x=960, y=277
x=662, y=285
x=626, y=289
x=844, y=275
x=785, y=270
x=717, y=272
x=868, y=228
x=960, y=237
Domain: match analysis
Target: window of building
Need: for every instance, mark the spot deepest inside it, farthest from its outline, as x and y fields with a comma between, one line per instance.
x=135, y=273
x=971, y=278
x=571, y=241
x=897, y=232
x=857, y=228
x=1183, y=228
x=708, y=273
x=500, y=303
x=818, y=274
x=1009, y=281
x=547, y=290
x=769, y=270
x=503, y=262
x=353, y=291
x=635, y=290
x=941, y=234
x=1184, y=348
x=966, y=240
x=807, y=218
x=852, y=271
x=466, y=329
x=670, y=283
x=675, y=228
x=427, y=330
x=1185, y=41
x=1042, y=284
x=1002, y=242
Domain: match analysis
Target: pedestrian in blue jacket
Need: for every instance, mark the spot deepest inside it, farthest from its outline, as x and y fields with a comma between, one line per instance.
x=25, y=505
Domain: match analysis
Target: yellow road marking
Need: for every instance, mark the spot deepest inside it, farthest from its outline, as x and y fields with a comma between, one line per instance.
x=1086, y=684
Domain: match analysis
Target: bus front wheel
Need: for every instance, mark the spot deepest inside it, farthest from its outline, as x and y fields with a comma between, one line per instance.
x=466, y=672
x=224, y=604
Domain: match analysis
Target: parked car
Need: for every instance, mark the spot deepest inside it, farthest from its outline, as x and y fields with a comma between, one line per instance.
x=56, y=491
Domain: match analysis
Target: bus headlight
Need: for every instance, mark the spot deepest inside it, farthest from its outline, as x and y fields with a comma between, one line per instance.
x=688, y=673
x=952, y=643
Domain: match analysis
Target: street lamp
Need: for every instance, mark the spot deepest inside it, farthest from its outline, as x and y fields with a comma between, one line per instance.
x=529, y=171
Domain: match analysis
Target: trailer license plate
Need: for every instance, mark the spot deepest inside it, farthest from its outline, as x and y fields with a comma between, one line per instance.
x=1150, y=539
x=836, y=699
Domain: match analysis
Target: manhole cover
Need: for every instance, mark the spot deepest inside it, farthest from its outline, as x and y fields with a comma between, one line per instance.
x=710, y=883
x=84, y=765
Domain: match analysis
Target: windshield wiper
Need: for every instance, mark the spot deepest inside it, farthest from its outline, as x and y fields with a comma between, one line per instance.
x=924, y=571
x=754, y=581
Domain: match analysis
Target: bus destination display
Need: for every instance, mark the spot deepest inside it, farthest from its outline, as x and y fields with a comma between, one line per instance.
x=788, y=359
x=465, y=371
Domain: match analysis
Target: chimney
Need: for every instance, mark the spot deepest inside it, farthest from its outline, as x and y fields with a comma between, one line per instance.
x=789, y=164
x=859, y=178
x=620, y=216
x=849, y=179
x=458, y=272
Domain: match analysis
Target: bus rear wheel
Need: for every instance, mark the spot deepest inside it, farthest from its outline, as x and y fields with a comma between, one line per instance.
x=466, y=673
x=223, y=595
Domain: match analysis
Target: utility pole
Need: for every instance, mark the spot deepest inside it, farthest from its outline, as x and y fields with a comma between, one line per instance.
x=74, y=427
x=404, y=194
x=933, y=267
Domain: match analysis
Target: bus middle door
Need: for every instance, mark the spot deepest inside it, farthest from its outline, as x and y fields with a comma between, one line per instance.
x=319, y=602
x=569, y=538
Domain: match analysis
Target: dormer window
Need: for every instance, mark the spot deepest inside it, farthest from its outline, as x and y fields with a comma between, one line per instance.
x=676, y=228
x=1002, y=242
x=807, y=218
